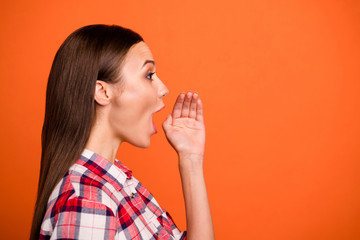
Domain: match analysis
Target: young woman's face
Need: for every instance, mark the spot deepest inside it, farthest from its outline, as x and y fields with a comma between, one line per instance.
x=137, y=97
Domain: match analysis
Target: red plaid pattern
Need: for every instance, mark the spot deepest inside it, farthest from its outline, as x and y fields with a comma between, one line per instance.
x=100, y=200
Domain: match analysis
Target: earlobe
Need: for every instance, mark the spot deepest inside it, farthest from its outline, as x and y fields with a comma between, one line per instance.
x=102, y=93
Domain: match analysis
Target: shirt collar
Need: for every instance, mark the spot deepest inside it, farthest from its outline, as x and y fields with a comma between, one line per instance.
x=116, y=174
x=123, y=168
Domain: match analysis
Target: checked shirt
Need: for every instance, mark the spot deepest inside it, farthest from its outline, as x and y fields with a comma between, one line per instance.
x=97, y=199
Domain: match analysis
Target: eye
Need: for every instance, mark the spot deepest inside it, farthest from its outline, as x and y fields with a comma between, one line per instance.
x=149, y=75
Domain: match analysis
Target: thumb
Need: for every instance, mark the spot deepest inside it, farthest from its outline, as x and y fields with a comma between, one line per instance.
x=167, y=122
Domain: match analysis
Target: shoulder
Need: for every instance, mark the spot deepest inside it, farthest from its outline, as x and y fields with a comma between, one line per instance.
x=79, y=194
x=80, y=218
x=92, y=187
x=81, y=184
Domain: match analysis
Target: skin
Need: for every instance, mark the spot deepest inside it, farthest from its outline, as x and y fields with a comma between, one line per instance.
x=124, y=114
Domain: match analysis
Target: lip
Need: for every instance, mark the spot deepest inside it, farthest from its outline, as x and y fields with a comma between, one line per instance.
x=160, y=109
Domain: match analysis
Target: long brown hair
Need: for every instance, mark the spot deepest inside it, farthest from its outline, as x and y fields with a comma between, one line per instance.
x=91, y=53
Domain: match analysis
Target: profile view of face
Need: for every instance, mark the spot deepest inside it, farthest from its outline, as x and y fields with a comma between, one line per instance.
x=138, y=95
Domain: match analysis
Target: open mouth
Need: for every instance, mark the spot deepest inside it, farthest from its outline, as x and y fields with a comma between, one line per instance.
x=154, y=126
x=155, y=129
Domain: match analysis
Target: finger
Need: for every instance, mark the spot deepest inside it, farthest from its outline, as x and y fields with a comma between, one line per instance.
x=167, y=122
x=186, y=106
x=192, y=113
x=199, y=111
x=176, y=113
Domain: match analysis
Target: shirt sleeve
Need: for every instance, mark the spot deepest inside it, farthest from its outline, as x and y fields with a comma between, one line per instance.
x=179, y=235
x=81, y=218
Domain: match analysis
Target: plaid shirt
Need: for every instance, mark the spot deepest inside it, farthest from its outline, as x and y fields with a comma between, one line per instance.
x=100, y=200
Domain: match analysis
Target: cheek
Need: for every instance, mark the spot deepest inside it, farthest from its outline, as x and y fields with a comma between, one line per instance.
x=134, y=108
x=141, y=106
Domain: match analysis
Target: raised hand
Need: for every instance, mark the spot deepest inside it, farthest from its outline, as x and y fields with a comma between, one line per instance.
x=185, y=131
x=184, y=128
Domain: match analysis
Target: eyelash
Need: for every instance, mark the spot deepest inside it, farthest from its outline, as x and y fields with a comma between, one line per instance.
x=149, y=75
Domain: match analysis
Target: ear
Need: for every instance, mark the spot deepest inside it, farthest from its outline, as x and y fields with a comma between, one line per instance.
x=102, y=93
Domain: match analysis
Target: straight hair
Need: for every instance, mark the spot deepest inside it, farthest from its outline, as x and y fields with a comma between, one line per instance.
x=93, y=52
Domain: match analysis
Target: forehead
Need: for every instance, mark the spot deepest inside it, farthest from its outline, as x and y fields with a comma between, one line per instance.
x=137, y=55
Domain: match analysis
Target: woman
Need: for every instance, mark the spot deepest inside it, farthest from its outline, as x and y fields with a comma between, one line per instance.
x=102, y=91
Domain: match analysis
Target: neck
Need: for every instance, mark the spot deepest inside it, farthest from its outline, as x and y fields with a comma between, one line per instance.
x=103, y=142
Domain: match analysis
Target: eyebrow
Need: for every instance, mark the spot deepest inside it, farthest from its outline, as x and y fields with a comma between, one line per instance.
x=148, y=61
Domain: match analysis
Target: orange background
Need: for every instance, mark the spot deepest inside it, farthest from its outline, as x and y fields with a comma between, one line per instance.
x=280, y=83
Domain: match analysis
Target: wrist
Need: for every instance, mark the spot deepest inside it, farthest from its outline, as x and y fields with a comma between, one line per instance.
x=191, y=156
x=191, y=163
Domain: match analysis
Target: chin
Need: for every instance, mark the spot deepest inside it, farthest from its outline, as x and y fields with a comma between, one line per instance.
x=144, y=145
x=141, y=144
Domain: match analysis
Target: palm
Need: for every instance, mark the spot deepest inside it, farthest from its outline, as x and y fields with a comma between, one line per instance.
x=184, y=128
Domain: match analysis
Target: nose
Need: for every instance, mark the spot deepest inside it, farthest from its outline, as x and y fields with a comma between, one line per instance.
x=163, y=90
